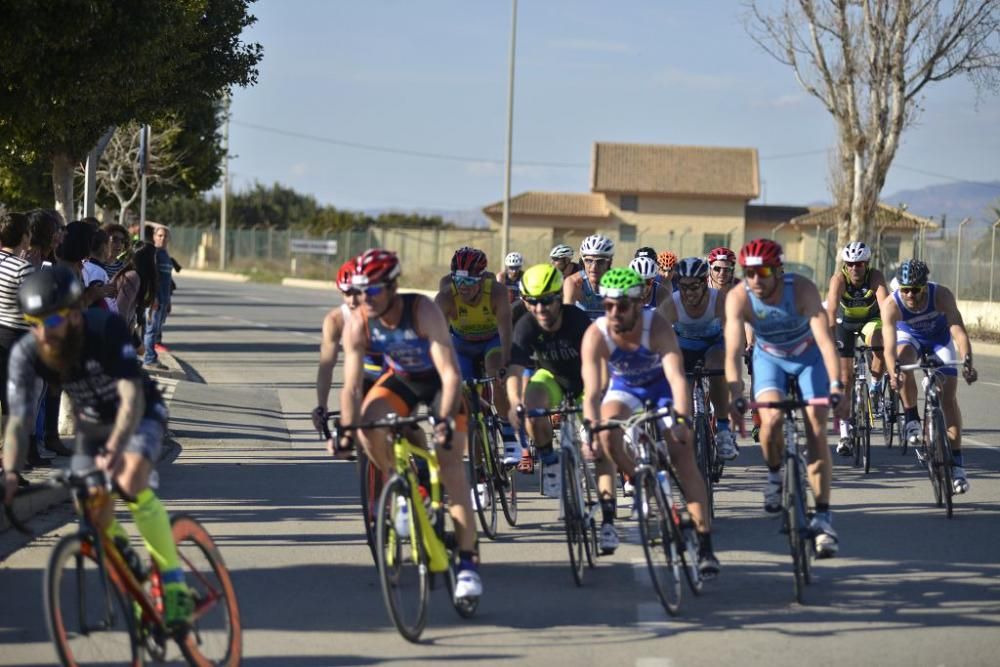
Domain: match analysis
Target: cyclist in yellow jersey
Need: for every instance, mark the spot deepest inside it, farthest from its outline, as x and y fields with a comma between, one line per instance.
x=856, y=291
x=478, y=312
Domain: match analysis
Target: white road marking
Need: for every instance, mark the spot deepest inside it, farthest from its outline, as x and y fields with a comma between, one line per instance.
x=992, y=384
x=979, y=443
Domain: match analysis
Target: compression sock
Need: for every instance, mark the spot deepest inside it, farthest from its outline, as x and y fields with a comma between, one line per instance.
x=911, y=414
x=722, y=424
x=153, y=523
x=774, y=475
x=957, y=459
x=607, y=510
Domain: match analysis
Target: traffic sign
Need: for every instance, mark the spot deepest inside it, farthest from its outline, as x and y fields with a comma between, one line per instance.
x=314, y=246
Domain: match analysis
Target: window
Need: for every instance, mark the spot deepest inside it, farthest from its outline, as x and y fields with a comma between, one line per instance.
x=629, y=203
x=889, y=251
x=712, y=241
x=627, y=233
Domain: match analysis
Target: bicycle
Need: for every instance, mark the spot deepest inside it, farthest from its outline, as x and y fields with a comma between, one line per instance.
x=666, y=529
x=98, y=609
x=579, y=495
x=410, y=530
x=862, y=410
x=710, y=464
x=486, y=460
x=796, y=514
x=890, y=414
x=935, y=450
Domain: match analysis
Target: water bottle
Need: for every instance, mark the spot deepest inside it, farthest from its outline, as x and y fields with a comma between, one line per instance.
x=661, y=477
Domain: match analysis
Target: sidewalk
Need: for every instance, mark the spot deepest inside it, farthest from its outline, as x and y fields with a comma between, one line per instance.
x=43, y=501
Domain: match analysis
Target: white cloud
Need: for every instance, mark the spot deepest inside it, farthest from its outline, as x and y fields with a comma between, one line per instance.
x=590, y=46
x=674, y=76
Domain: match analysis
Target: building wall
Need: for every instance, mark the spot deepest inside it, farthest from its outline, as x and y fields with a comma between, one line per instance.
x=686, y=226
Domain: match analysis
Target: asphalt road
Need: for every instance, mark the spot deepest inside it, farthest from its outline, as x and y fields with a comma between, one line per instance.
x=909, y=587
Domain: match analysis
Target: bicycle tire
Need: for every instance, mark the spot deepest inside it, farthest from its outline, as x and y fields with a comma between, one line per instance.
x=370, y=482
x=479, y=473
x=792, y=526
x=591, y=506
x=395, y=551
x=572, y=521
x=943, y=461
x=866, y=433
x=704, y=465
x=216, y=636
x=659, y=543
x=857, y=424
x=504, y=483
x=927, y=449
x=119, y=643
x=888, y=412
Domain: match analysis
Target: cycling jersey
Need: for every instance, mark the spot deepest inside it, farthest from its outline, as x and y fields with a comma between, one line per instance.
x=513, y=288
x=780, y=329
x=474, y=322
x=636, y=375
x=929, y=325
x=702, y=332
x=404, y=350
x=651, y=302
x=592, y=303
x=859, y=303
x=557, y=352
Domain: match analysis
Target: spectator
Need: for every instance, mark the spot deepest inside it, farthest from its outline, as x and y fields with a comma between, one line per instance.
x=94, y=272
x=118, y=248
x=136, y=283
x=72, y=252
x=157, y=313
x=45, y=231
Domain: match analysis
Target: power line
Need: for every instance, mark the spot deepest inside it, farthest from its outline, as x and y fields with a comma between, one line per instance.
x=403, y=151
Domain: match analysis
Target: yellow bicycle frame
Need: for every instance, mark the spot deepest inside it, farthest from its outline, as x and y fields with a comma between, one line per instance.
x=403, y=449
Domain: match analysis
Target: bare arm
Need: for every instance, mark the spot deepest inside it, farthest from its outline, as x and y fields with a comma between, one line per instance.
x=668, y=311
x=881, y=290
x=837, y=287
x=329, y=348
x=501, y=308
x=810, y=306
x=432, y=325
x=353, y=343
x=594, y=353
x=132, y=405
x=570, y=287
x=947, y=305
x=664, y=342
x=890, y=318
x=445, y=300
x=735, y=341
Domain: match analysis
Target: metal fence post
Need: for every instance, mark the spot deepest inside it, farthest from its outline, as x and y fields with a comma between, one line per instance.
x=958, y=258
x=993, y=250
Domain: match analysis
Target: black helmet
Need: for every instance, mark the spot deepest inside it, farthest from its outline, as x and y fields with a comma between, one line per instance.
x=49, y=290
x=646, y=251
x=912, y=273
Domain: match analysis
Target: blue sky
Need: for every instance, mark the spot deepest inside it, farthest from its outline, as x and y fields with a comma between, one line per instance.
x=431, y=77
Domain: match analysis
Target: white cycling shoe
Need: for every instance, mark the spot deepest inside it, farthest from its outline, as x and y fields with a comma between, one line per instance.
x=551, y=480
x=484, y=496
x=959, y=482
x=468, y=584
x=824, y=537
x=725, y=444
x=772, y=497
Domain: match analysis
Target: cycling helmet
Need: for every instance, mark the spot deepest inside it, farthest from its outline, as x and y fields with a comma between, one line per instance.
x=375, y=266
x=761, y=252
x=645, y=267
x=666, y=260
x=692, y=267
x=513, y=260
x=646, y=251
x=469, y=262
x=622, y=283
x=48, y=290
x=597, y=246
x=345, y=275
x=856, y=251
x=912, y=273
x=541, y=280
x=561, y=251
x=721, y=254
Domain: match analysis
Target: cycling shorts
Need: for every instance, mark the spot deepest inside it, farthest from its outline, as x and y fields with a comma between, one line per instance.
x=635, y=398
x=770, y=373
x=692, y=357
x=943, y=348
x=472, y=354
x=147, y=441
x=405, y=392
x=847, y=332
x=547, y=381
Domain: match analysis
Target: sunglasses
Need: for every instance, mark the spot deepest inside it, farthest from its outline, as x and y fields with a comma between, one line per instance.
x=762, y=271
x=853, y=264
x=911, y=290
x=466, y=281
x=373, y=290
x=720, y=269
x=49, y=321
x=691, y=287
x=542, y=300
x=596, y=260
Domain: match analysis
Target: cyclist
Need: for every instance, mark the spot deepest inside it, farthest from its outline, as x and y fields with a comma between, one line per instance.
x=329, y=349
x=722, y=262
x=119, y=413
x=547, y=339
x=922, y=317
x=478, y=314
x=697, y=313
x=636, y=347
x=562, y=258
x=857, y=289
x=652, y=295
x=791, y=337
x=412, y=334
x=580, y=289
x=510, y=277
x=667, y=260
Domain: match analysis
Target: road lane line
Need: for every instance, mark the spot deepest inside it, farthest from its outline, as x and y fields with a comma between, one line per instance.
x=979, y=443
x=992, y=384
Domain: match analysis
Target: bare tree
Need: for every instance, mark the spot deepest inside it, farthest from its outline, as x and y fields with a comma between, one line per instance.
x=118, y=171
x=868, y=62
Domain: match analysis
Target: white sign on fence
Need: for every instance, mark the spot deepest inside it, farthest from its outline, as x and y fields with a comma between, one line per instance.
x=314, y=247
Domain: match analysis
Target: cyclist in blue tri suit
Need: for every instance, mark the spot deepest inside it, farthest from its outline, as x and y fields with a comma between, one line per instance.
x=923, y=317
x=791, y=338
x=580, y=289
x=637, y=348
x=653, y=293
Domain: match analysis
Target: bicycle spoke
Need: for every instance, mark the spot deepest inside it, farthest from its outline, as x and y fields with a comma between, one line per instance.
x=402, y=561
x=659, y=542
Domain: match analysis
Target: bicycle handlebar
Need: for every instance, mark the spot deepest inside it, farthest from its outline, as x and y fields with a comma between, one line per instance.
x=67, y=478
x=633, y=421
x=743, y=404
x=705, y=372
x=547, y=412
x=928, y=363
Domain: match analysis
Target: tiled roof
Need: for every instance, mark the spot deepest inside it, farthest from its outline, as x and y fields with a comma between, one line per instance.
x=887, y=217
x=553, y=203
x=675, y=170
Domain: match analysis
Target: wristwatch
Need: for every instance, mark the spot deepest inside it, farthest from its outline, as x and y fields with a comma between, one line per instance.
x=837, y=384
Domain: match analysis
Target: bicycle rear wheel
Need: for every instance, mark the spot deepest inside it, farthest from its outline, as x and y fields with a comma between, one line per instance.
x=572, y=520
x=87, y=627
x=942, y=462
x=216, y=635
x=504, y=481
x=481, y=477
x=591, y=506
x=657, y=533
x=402, y=562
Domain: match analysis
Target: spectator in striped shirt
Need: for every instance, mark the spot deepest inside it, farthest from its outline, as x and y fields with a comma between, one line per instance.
x=118, y=248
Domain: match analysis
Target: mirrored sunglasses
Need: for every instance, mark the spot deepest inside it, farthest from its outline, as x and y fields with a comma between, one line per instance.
x=911, y=290
x=542, y=300
x=466, y=281
x=50, y=321
x=761, y=271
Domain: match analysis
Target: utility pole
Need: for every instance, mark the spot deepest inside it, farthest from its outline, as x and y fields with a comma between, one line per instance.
x=90, y=177
x=510, y=132
x=225, y=186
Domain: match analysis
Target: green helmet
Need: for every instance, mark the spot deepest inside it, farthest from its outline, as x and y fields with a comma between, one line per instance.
x=541, y=280
x=622, y=283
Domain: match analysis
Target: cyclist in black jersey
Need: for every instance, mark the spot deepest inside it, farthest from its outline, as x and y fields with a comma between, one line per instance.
x=561, y=257
x=510, y=277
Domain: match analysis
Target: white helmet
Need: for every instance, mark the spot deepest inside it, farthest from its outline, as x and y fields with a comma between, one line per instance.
x=645, y=267
x=856, y=251
x=514, y=260
x=597, y=246
x=561, y=251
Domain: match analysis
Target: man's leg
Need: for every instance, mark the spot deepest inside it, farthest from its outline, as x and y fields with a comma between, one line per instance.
x=953, y=419
x=150, y=334
x=845, y=350
x=718, y=392
x=611, y=451
x=906, y=353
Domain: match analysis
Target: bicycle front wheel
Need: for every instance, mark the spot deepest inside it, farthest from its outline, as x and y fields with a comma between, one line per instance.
x=793, y=515
x=660, y=541
x=866, y=432
x=87, y=626
x=942, y=463
x=481, y=479
x=402, y=561
x=504, y=481
x=704, y=446
x=216, y=636
x=572, y=519
x=889, y=406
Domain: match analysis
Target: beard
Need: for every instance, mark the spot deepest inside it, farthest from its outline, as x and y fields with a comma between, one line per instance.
x=62, y=355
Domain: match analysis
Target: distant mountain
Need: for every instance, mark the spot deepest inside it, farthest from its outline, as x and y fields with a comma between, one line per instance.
x=956, y=201
x=467, y=218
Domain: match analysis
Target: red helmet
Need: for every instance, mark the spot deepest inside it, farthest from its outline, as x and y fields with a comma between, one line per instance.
x=721, y=254
x=375, y=266
x=345, y=275
x=761, y=252
x=471, y=261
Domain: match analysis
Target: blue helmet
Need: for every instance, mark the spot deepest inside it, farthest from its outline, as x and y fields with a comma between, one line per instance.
x=912, y=273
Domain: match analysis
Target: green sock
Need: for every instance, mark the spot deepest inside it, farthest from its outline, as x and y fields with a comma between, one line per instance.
x=115, y=529
x=154, y=525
